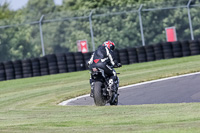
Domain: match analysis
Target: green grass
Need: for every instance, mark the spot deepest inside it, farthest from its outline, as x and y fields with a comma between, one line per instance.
x=31, y=105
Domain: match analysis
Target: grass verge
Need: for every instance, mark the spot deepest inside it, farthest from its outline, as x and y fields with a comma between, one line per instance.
x=30, y=105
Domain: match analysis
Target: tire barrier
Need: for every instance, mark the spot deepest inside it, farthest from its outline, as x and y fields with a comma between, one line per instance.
x=150, y=53
x=158, y=50
x=36, y=67
x=79, y=61
x=27, y=68
x=132, y=54
x=2, y=72
x=9, y=70
x=86, y=57
x=44, y=69
x=116, y=54
x=52, y=63
x=62, y=63
x=194, y=47
x=167, y=50
x=185, y=48
x=71, y=62
x=177, y=49
x=123, y=56
x=141, y=54
x=18, y=69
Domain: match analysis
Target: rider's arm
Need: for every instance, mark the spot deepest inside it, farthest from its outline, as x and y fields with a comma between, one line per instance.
x=111, y=57
x=91, y=59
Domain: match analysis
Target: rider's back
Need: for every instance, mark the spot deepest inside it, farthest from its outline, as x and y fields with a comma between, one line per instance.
x=100, y=53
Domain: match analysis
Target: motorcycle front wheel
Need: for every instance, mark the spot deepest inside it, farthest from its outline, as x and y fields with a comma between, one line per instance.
x=98, y=94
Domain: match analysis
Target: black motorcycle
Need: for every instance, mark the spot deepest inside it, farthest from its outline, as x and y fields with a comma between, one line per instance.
x=103, y=93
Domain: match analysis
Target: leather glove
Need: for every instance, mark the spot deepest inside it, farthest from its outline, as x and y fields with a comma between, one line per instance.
x=119, y=64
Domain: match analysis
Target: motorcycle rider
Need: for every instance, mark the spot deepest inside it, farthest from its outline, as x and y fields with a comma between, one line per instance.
x=104, y=58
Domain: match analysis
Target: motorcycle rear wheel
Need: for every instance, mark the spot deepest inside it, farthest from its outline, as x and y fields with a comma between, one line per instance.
x=98, y=96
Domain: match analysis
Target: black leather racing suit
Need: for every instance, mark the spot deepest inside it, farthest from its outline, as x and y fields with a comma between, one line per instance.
x=104, y=58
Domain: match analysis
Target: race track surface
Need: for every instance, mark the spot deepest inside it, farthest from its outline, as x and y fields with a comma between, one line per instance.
x=180, y=89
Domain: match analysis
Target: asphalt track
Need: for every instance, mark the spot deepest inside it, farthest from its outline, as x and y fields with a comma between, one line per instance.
x=179, y=89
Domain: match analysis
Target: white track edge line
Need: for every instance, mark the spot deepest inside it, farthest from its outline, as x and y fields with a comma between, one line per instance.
x=123, y=87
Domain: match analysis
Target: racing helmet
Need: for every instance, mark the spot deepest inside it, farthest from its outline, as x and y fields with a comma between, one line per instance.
x=109, y=44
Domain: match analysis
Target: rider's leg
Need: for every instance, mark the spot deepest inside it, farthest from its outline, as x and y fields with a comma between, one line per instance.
x=113, y=81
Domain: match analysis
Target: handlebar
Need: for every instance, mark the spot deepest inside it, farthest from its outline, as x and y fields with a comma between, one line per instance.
x=117, y=65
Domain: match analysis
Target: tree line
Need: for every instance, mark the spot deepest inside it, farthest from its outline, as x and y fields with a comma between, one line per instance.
x=111, y=20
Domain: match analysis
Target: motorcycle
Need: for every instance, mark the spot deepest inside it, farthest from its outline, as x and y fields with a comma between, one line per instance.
x=102, y=92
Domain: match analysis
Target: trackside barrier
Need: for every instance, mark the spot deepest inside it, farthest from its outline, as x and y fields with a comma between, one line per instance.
x=71, y=62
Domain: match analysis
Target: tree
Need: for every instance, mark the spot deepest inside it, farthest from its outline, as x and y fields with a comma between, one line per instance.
x=5, y=33
x=111, y=20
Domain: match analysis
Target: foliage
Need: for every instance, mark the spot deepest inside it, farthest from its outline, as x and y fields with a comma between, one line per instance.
x=116, y=20
x=5, y=36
